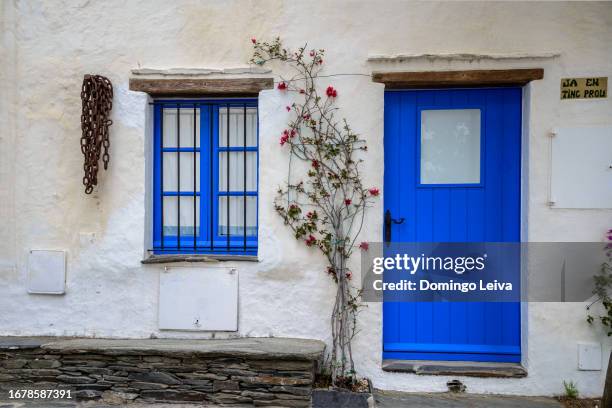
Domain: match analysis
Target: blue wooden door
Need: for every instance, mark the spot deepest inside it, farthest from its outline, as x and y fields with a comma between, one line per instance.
x=452, y=170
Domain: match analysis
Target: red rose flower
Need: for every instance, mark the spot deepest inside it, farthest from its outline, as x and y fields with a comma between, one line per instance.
x=284, y=139
x=364, y=246
x=253, y=40
x=292, y=133
x=288, y=108
x=331, y=92
x=302, y=91
x=315, y=164
x=347, y=201
x=310, y=241
x=374, y=191
x=282, y=86
x=306, y=116
x=312, y=53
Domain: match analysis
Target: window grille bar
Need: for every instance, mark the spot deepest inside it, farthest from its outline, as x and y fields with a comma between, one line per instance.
x=182, y=194
x=244, y=177
x=194, y=179
x=161, y=172
x=227, y=180
x=237, y=193
x=181, y=150
x=178, y=176
x=236, y=149
x=211, y=184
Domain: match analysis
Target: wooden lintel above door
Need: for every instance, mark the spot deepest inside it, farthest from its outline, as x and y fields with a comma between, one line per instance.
x=457, y=79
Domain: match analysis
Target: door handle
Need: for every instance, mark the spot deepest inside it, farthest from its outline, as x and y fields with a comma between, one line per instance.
x=389, y=221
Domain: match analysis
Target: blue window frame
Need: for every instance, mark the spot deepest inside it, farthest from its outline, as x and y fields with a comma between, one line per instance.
x=205, y=176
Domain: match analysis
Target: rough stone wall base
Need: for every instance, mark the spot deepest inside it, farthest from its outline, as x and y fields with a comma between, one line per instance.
x=220, y=380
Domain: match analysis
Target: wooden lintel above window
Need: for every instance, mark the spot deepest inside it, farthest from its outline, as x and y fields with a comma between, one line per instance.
x=200, y=86
x=454, y=79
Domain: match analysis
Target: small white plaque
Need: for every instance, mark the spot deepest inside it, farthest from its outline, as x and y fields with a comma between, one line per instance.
x=581, y=173
x=46, y=272
x=589, y=356
x=198, y=298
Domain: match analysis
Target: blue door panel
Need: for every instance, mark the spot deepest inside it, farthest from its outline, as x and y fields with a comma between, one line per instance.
x=488, y=211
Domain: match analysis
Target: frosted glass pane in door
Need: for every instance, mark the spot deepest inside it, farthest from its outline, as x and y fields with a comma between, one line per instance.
x=450, y=146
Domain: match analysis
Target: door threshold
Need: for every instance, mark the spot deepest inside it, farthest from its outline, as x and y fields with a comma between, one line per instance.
x=461, y=368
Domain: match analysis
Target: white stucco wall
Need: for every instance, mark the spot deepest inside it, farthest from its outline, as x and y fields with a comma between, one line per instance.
x=48, y=46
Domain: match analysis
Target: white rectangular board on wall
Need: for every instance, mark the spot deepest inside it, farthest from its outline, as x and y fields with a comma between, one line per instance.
x=46, y=272
x=198, y=299
x=581, y=167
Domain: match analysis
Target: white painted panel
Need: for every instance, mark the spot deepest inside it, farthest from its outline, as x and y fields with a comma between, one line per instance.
x=46, y=272
x=589, y=356
x=581, y=175
x=198, y=298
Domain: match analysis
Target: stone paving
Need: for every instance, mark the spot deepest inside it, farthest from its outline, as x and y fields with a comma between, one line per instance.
x=90, y=404
x=384, y=399
x=393, y=399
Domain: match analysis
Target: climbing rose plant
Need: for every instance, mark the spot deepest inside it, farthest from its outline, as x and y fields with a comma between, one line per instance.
x=323, y=202
x=603, y=287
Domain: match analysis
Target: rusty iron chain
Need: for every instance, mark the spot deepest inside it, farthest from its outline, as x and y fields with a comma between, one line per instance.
x=97, y=102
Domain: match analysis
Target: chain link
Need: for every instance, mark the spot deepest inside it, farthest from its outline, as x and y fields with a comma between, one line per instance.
x=97, y=102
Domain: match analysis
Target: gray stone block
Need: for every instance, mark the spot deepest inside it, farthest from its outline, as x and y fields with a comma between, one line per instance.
x=202, y=376
x=14, y=363
x=292, y=390
x=148, y=386
x=272, y=348
x=274, y=380
x=87, y=394
x=258, y=395
x=95, y=370
x=96, y=386
x=225, y=385
x=281, y=365
x=173, y=395
x=116, y=397
x=333, y=398
x=233, y=371
x=115, y=378
x=155, y=377
x=226, y=398
x=44, y=364
x=75, y=379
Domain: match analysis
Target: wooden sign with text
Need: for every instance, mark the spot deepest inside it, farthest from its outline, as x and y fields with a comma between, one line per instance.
x=584, y=88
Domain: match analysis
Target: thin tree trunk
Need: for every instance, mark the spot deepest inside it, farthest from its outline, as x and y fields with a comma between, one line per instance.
x=606, y=400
